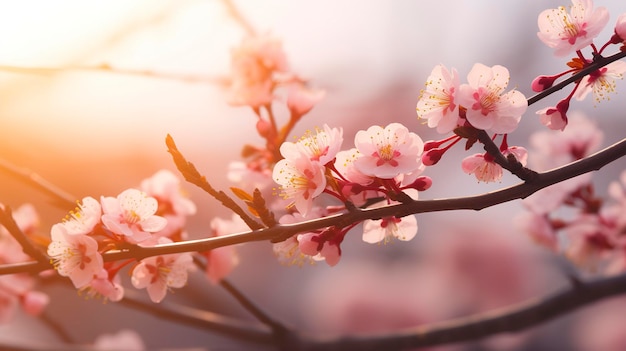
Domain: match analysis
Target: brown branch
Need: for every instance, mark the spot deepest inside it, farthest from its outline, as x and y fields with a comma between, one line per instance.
x=29, y=248
x=598, y=62
x=477, y=202
x=236, y=15
x=193, y=176
x=509, y=319
x=62, y=198
x=105, y=68
x=253, y=333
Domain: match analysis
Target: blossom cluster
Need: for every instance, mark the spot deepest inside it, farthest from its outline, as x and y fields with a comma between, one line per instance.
x=573, y=31
x=17, y=290
x=154, y=215
x=569, y=217
x=384, y=166
x=480, y=104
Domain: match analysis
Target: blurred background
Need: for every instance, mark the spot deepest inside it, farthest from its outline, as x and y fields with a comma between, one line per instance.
x=96, y=132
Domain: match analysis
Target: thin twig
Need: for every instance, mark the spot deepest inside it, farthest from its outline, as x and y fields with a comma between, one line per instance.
x=62, y=198
x=251, y=307
x=599, y=62
x=105, y=68
x=236, y=15
x=29, y=248
x=204, y=320
x=57, y=328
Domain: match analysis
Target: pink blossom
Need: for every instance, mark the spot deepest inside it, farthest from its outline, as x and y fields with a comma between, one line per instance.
x=74, y=255
x=567, y=32
x=590, y=243
x=601, y=82
x=488, y=107
x=620, y=28
x=84, y=218
x=555, y=118
x=27, y=220
x=388, y=152
x=288, y=251
x=375, y=231
x=538, y=227
x=223, y=260
x=34, y=302
x=484, y=167
x=437, y=102
x=301, y=180
x=300, y=99
x=124, y=340
x=165, y=187
x=255, y=64
x=157, y=274
x=553, y=149
x=329, y=252
x=102, y=286
x=132, y=214
x=321, y=246
x=321, y=146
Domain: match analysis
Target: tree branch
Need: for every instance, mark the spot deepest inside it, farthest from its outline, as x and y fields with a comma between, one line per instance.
x=29, y=248
x=509, y=319
x=598, y=63
x=62, y=198
x=477, y=202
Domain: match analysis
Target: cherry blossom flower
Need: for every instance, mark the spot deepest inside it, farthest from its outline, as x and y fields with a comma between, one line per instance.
x=488, y=107
x=319, y=249
x=254, y=66
x=555, y=118
x=538, y=227
x=387, y=152
x=74, y=255
x=27, y=219
x=165, y=187
x=321, y=146
x=132, y=214
x=124, y=340
x=102, y=286
x=568, y=32
x=375, y=231
x=288, y=251
x=590, y=243
x=484, y=167
x=300, y=179
x=221, y=261
x=157, y=274
x=84, y=218
x=550, y=150
x=437, y=102
x=601, y=82
x=300, y=99
x=174, y=206
x=620, y=30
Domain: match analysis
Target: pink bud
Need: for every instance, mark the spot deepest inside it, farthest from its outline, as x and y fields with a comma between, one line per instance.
x=264, y=128
x=422, y=183
x=432, y=156
x=542, y=83
x=34, y=302
x=431, y=144
x=620, y=30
